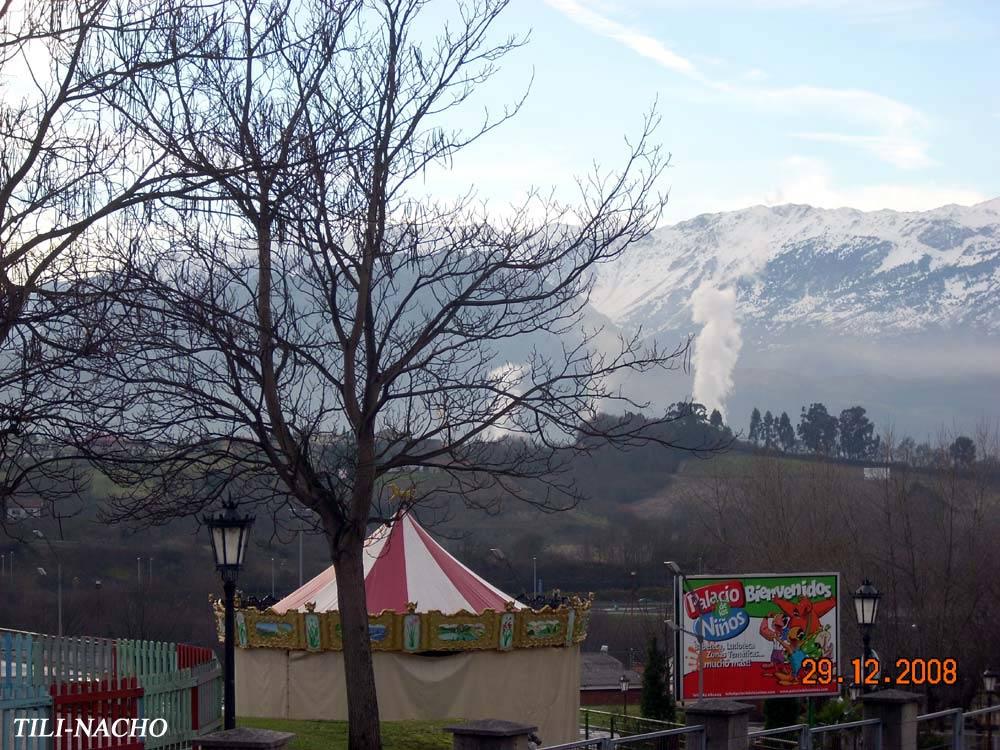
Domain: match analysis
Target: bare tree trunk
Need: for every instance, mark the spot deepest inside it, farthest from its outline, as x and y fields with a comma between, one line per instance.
x=362, y=702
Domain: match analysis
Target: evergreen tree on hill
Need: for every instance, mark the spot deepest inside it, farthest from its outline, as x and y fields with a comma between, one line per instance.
x=754, y=435
x=716, y=419
x=963, y=451
x=768, y=434
x=856, y=440
x=657, y=702
x=818, y=429
x=786, y=433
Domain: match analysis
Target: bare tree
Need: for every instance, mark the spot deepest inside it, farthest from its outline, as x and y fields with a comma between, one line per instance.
x=316, y=327
x=68, y=167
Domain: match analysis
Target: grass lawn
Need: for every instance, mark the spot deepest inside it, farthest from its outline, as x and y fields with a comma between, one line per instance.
x=332, y=735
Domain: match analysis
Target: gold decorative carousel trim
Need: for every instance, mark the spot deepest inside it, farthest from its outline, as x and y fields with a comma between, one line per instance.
x=436, y=631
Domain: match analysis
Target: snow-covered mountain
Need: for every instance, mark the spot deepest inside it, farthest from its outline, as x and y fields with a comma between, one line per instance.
x=871, y=273
x=897, y=311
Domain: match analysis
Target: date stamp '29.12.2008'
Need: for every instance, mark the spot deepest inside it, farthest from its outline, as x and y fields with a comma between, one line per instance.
x=868, y=672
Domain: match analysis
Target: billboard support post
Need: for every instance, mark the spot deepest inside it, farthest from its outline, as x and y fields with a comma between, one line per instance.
x=701, y=650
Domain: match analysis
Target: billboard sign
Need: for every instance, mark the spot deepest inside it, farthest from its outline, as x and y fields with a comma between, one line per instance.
x=756, y=631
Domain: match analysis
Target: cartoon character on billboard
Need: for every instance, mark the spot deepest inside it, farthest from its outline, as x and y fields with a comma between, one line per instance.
x=775, y=629
x=796, y=635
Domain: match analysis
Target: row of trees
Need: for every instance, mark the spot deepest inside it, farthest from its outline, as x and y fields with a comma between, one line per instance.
x=851, y=435
x=216, y=239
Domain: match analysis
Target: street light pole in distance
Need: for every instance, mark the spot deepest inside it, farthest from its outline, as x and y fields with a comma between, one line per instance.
x=55, y=554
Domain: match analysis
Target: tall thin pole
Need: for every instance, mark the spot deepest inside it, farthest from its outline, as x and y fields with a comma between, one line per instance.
x=59, y=578
x=138, y=572
x=866, y=641
x=272, y=577
x=534, y=576
x=300, y=555
x=229, y=696
x=701, y=665
x=989, y=721
x=678, y=663
x=149, y=579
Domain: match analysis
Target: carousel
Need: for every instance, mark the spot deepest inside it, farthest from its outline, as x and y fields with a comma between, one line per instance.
x=446, y=644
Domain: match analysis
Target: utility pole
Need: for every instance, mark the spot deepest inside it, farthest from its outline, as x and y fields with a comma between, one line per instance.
x=300, y=555
x=58, y=559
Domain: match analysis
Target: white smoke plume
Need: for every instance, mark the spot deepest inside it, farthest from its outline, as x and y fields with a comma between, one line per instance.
x=717, y=346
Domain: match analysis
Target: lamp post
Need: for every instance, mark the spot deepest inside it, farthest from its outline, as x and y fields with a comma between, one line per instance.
x=989, y=685
x=623, y=683
x=534, y=576
x=55, y=554
x=866, y=610
x=229, y=532
x=698, y=635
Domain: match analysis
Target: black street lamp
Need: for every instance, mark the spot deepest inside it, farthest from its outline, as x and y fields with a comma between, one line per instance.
x=866, y=610
x=623, y=683
x=229, y=532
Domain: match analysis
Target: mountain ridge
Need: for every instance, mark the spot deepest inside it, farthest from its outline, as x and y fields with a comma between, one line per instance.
x=794, y=264
x=897, y=311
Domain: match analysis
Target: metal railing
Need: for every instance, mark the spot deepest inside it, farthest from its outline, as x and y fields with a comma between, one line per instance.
x=805, y=735
x=653, y=740
x=847, y=726
x=955, y=737
x=599, y=722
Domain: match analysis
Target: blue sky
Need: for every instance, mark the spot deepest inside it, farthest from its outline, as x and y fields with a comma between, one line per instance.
x=870, y=104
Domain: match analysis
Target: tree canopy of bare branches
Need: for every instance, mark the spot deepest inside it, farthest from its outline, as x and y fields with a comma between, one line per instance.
x=313, y=324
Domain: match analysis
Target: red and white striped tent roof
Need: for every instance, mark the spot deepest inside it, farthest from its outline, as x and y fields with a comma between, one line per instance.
x=404, y=564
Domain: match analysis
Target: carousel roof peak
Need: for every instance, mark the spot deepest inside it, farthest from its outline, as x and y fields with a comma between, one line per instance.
x=405, y=569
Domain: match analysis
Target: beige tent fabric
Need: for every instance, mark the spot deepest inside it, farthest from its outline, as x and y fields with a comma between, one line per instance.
x=262, y=682
x=535, y=686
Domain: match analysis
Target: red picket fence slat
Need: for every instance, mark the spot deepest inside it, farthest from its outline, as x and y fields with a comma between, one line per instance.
x=192, y=656
x=95, y=701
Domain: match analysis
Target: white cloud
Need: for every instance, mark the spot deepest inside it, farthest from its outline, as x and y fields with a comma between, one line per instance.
x=854, y=10
x=894, y=123
x=810, y=181
x=900, y=151
x=638, y=42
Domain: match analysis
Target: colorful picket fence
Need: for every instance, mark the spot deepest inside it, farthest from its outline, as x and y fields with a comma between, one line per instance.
x=91, y=680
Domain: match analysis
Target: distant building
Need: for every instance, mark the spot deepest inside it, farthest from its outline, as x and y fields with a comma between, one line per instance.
x=18, y=510
x=600, y=674
x=877, y=473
